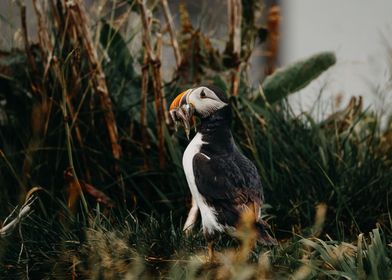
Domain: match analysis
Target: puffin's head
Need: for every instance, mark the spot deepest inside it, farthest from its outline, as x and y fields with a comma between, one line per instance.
x=201, y=101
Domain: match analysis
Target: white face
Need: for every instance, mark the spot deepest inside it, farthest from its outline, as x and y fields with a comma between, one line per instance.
x=204, y=100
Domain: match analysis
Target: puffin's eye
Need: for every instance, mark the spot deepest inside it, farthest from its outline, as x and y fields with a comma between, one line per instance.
x=202, y=94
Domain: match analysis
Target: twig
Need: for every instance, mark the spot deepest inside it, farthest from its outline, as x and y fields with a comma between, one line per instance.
x=39, y=112
x=80, y=23
x=234, y=44
x=172, y=32
x=143, y=109
x=157, y=84
x=153, y=60
x=79, y=18
x=158, y=53
x=47, y=51
x=146, y=30
x=235, y=18
x=235, y=80
x=43, y=35
x=25, y=210
x=68, y=134
x=36, y=86
x=158, y=93
x=272, y=44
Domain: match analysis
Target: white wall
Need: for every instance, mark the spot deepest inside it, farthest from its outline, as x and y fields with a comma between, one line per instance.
x=356, y=31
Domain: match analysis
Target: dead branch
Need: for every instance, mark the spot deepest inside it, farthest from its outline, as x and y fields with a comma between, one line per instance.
x=80, y=23
x=235, y=18
x=155, y=63
x=47, y=51
x=235, y=80
x=172, y=32
x=143, y=109
x=146, y=30
x=158, y=93
x=43, y=35
x=234, y=44
x=272, y=44
x=39, y=109
x=35, y=85
x=158, y=54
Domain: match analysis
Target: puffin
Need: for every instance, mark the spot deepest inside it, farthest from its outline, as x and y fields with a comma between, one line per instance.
x=223, y=182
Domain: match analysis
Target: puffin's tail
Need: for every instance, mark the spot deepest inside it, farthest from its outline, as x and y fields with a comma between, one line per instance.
x=263, y=236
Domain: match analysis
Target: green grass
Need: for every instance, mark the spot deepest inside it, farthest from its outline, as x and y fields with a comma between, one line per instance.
x=302, y=164
x=113, y=246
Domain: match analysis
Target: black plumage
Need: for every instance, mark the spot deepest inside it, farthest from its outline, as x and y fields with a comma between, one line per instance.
x=224, y=183
x=227, y=179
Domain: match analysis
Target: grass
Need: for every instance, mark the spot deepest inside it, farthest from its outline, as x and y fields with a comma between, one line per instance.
x=349, y=240
x=116, y=246
x=327, y=184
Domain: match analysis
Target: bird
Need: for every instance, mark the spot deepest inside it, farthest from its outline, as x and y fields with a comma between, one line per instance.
x=223, y=182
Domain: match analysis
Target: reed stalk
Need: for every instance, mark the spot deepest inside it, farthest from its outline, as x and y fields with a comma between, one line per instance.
x=172, y=32
x=155, y=64
x=80, y=23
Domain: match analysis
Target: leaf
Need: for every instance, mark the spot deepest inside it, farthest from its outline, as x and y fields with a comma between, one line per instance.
x=74, y=191
x=296, y=76
x=97, y=194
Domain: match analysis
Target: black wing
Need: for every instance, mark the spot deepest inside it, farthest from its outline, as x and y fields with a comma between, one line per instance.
x=228, y=183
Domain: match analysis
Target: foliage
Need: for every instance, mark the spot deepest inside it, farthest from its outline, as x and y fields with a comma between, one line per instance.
x=112, y=246
x=295, y=77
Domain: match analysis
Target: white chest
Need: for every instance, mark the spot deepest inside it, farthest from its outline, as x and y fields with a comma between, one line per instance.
x=208, y=214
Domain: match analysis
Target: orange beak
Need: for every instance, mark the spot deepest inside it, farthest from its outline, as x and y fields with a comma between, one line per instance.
x=177, y=101
x=181, y=111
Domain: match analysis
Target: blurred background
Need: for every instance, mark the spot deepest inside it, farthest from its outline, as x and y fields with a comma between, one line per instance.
x=359, y=34
x=357, y=31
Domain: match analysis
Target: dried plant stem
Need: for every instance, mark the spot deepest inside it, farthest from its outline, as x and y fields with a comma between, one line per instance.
x=47, y=51
x=36, y=86
x=158, y=93
x=39, y=108
x=69, y=136
x=43, y=35
x=272, y=44
x=146, y=30
x=80, y=23
x=172, y=32
x=234, y=25
x=143, y=110
x=235, y=18
x=79, y=19
x=235, y=80
x=79, y=138
x=154, y=62
x=158, y=76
